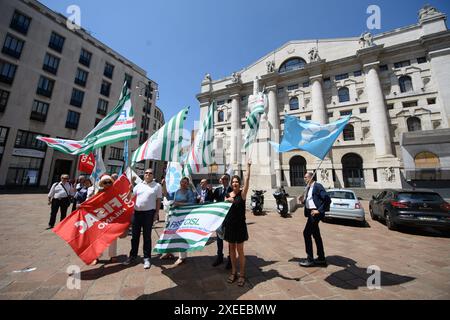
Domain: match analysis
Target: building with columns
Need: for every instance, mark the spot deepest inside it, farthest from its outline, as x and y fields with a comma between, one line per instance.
x=59, y=82
x=395, y=85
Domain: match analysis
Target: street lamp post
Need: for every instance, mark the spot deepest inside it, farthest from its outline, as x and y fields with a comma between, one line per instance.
x=148, y=88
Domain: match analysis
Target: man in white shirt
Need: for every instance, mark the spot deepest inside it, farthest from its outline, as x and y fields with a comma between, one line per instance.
x=59, y=197
x=148, y=202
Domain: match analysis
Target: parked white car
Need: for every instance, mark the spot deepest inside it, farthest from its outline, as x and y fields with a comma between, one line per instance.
x=345, y=205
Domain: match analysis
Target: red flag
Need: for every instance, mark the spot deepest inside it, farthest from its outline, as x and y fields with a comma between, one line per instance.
x=86, y=163
x=98, y=222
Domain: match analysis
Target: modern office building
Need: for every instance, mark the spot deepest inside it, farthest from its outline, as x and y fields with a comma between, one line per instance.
x=59, y=82
x=393, y=84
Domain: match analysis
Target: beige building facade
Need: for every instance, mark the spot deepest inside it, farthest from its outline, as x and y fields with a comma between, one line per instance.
x=392, y=84
x=59, y=82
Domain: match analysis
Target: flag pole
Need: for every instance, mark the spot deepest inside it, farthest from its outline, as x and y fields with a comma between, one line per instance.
x=315, y=171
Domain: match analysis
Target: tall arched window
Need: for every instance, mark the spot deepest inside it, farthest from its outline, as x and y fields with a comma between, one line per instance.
x=352, y=170
x=292, y=64
x=297, y=167
x=220, y=116
x=349, y=133
x=414, y=124
x=293, y=103
x=343, y=94
x=405, y=84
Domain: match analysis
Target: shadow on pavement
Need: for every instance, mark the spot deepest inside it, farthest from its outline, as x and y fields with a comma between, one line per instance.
x=104, y=268
x=196, y=279
x=352, y=277
x=420, y=231
x=348, y=223
x=426, y=232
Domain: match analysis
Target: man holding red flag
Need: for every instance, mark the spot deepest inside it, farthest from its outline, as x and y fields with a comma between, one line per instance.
x=98, y=222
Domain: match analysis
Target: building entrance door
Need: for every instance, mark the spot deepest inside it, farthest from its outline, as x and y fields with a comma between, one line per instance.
x=352, y=169
x=297, y=167
x=61, y=167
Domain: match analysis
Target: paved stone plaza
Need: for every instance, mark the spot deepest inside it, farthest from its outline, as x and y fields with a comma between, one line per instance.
x=414, y=264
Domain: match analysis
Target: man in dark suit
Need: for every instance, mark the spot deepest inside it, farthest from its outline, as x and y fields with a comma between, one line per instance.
x=219, y=196
x=316, y=201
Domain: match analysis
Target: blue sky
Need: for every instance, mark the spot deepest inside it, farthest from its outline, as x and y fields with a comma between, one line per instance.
x=178, y=41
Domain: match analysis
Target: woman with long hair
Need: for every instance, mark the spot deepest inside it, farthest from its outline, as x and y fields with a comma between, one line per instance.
x=235, y=227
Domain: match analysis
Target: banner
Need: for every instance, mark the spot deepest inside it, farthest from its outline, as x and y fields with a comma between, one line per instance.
x=200, y=153
x=189, y=227
x=99, y=168
x=86, y=163
x=309, y=136
x=98, y=222
x=173, y=176
x=118, y=125
x=164, y=144
x=257, y=104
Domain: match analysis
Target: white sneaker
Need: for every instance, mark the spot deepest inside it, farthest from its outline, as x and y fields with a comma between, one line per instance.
x=147, y=263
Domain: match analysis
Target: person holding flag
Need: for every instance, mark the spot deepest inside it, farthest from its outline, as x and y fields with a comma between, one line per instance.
x=316, y=139
x=315, y=200
x=106, y=182
x=148, y=201
x=235, y=227
x=219, y=196
x=182, y=196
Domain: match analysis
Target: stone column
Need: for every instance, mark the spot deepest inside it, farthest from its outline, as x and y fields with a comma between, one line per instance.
x=274, y=126
x=236, y=142
x=377, y=112
x=319, y=111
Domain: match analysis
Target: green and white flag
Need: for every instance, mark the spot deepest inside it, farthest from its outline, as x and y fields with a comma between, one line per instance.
x=117, y=126
x=164, y=144
x=189, y=227
x=124, y=128
x=200, y=153
x=257, y=104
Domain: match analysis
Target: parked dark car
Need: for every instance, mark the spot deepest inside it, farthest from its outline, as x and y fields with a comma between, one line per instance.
x=410, y=207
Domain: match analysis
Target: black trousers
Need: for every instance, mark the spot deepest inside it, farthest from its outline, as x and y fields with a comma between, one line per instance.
x=312, y=229
x=219, y=247
x=142, y=220
x=56, y=205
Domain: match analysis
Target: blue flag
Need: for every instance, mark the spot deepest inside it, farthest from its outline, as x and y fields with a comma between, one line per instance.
x=309, y=136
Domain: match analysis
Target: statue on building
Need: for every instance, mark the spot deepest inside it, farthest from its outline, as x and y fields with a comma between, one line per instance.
x=270, y=66
x=236, y=77
x=389, y=174
x=207, y=78
x=366, y=40
x=313, y=54
x=427, y=11
x=324, y=174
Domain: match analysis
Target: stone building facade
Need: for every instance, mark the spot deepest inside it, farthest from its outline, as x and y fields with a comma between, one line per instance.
x=59, y=82
x=391, y=83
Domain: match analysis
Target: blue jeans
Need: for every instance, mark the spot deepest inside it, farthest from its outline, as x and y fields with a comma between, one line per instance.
x=142, y=220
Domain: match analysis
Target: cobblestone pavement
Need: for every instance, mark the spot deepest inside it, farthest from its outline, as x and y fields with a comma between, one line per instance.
x=414, y=264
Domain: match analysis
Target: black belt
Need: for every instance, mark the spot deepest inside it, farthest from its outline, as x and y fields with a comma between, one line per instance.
x=144, y=211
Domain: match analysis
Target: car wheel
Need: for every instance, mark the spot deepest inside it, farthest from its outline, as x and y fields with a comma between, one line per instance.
x=389, y=223
x=372, y=214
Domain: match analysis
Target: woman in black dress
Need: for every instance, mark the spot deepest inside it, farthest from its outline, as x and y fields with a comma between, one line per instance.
x=235, y=228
